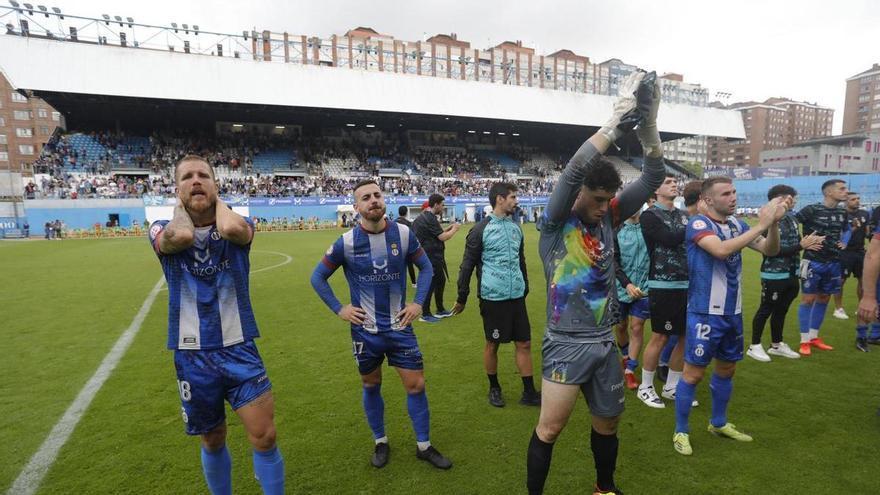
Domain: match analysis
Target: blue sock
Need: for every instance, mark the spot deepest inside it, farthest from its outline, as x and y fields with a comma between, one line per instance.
x=667, y=349
x=417, y=405
x=804, y=311
x=721, y=389
x=632, y=364
x=217, y=467
x=269, y=468
x=818, y=315
x=862, y=331
x=684, y=398
x=875, y=330
x=374, y=406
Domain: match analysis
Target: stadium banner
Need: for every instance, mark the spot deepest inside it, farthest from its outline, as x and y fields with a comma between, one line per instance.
x=747, y=173
x=153, y=201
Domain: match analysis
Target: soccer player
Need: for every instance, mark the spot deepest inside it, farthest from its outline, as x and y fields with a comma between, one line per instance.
x=433, y=238
x=633, y=262
x=402, y=214
x=374, y=255
x=779, y=281
x=495, y=247
x=211, y=327
x=820, y=270
x=692, y=204
x=663, y=226
x=714, y=311
x=871, y=281
x=577, y=248
x=856, y=229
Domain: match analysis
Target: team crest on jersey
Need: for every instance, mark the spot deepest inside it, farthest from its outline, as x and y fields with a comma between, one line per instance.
x=699, y=224
x=215, y=235
x=154, y=231
x=394, y=250
x=496, y=334
x=699, y=351
x=668, y=326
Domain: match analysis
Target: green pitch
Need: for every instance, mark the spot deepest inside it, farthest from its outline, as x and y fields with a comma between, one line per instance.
x=67, y=302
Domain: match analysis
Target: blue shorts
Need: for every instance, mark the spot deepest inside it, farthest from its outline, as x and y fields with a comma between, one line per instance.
x=713, y=336
x=640, y=308
x=205, y=378
x=370, y=349
x=821, y=278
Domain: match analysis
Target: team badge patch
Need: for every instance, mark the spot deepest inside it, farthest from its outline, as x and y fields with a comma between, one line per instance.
x=560, y=370
x=496, y=334
x=215, y=235
x=394, y=250
x=154, y=230
x=699, y=224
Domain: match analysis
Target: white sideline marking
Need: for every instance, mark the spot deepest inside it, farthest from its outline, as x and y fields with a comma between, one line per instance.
x=32, y=475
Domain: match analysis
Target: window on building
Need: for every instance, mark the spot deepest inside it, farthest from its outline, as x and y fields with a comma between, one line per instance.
x=4, y=156
x=56, y=116
x=18, y=97
x=26, y=149
x=44, y=130
x=21, y=115
x=24, y=132
x=42, y=113
x=2, y=122
x=3, y=139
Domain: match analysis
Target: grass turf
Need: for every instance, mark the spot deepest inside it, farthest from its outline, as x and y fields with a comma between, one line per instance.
x=67, y=302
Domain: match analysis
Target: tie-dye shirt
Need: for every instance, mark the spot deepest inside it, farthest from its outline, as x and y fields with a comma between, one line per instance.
x=579, y=258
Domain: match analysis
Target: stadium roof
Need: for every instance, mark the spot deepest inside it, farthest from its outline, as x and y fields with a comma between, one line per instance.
x=841, y=139
x=105, y=73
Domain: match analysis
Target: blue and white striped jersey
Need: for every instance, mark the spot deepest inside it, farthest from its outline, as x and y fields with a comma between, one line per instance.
x=715, y=286
x=375, y=268
x=209, y=303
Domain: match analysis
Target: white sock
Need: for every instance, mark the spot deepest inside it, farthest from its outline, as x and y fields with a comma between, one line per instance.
x=813, y=334
x=805, y=338
x=382, y=440
x=672, y=379
x=423, y=446
x=647, y=379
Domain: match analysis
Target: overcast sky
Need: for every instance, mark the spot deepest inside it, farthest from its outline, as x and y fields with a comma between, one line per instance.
x=754, y=49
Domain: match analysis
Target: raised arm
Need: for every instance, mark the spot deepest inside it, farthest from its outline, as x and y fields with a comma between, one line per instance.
x=179, y=233
x=232, y=226
x=634, y=195
x=768, y=220
x=630, y=109
x=768, y=245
